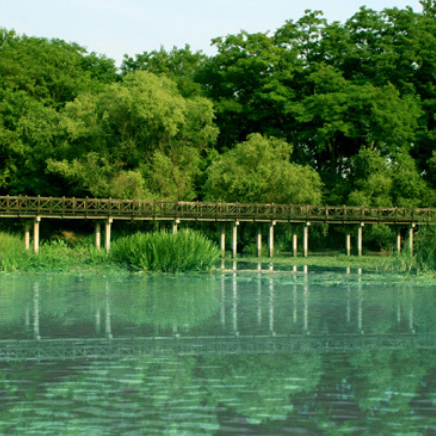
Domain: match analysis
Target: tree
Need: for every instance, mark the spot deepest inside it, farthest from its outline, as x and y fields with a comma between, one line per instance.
x=180, y=65
x=392, y=181
x=259, y=170
x=141, y=130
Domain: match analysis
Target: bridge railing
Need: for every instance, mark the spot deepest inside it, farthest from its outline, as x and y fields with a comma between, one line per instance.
x=23, y=206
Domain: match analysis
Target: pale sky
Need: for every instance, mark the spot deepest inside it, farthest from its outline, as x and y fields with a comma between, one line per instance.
x=118, y=27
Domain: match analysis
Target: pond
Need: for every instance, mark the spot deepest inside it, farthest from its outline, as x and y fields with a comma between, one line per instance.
x=266, y=352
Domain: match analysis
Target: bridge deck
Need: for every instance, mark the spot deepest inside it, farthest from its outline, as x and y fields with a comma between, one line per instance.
x=93, y=208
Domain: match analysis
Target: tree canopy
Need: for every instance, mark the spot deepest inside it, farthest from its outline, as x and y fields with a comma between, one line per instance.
x=315, y=112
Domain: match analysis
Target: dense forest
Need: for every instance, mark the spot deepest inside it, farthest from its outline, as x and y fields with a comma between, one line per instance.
x=316, y=112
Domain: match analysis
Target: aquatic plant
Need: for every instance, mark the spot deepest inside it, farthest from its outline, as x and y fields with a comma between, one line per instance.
x=162, y=251
x=12, y=252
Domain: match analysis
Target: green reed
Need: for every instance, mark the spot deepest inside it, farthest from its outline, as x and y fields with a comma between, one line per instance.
x=165, y=252
x=12, y=252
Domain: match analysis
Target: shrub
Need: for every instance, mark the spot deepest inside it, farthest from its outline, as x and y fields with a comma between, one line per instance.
x=162, y=251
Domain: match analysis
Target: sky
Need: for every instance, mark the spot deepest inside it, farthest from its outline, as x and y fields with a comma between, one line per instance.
x=117, y=27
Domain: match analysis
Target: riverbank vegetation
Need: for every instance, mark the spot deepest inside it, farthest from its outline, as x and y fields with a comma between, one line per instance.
x=190, y=251
x=165, y=252
x=314, y=113
x=152, y=252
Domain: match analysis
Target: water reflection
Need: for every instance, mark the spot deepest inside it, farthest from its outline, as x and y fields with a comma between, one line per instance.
x=261, y=353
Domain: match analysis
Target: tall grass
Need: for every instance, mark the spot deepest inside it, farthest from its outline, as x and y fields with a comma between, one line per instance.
x=12, y=252
x=424, y=253
x=53, y=255
x=161, y=251
x=58, y=255
x=425, y=249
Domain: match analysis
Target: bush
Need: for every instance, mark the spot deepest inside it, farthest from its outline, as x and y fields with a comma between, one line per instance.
x=162, y=251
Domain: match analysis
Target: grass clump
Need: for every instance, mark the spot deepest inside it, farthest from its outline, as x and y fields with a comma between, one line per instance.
x=165, y=252
x=12, y=252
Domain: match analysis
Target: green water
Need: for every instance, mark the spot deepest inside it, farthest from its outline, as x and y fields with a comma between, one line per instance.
x=302, y=351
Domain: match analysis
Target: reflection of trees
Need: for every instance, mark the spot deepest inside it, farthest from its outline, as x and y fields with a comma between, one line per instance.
x=383, y=385
x=159, y=396
x=387, y=380
x=261, y=387
x=24, y=403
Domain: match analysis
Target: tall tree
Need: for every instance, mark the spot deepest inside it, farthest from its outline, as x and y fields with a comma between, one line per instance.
x=140, y=133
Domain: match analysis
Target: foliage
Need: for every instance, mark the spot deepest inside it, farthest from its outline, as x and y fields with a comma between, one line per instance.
x=181, y=65
x=425, y=249
x=52, y=256
x=140, y=129
x=315, y=112
x=380, y=181
x=12, y=252
x=161, y=251
x=259, y=170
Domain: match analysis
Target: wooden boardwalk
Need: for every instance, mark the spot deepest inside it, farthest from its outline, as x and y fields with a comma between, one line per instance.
x=101, y=209
x=33, y=209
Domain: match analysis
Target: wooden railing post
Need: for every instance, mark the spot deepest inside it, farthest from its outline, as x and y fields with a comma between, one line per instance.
x=27, y=235
x=235, y=239
x=347, y=241
x=36, y=222
x=360, y=239
x=398, y=244
x=223, y=240
x=108, y=224
x=410, y=231
x=259, y=240
x=306, y=239
x=97, y=235
x=271, y=239
x=175, y=223
x=294, y=242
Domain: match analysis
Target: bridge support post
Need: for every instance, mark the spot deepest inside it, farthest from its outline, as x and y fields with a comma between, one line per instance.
x=347, y=241
x=223, y=240
x=97, y=235
x=107, y=234
x=306, y=239
x=271, y=239
x=398, y=240
x=174, y=226
x=235, y=238
x=360, y=239
x=410, y=231
x=36, y=222
x=294, y=242
x=27, y=235
x=259, y=240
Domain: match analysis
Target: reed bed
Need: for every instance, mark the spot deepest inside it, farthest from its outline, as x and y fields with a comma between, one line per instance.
x=165, y=252
x=12, y=253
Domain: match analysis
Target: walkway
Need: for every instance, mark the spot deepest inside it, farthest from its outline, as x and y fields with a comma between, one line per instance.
x=33, y=209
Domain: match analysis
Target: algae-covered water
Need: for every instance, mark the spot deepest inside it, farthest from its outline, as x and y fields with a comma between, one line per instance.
x=267, y=352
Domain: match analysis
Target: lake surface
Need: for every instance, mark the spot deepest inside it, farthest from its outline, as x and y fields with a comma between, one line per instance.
x=298, y=352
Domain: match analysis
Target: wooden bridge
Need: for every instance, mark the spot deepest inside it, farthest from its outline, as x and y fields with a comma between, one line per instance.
x=33, y=209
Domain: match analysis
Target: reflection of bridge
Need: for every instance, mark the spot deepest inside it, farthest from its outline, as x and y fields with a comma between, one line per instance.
x=35, y=208
x=91, y=349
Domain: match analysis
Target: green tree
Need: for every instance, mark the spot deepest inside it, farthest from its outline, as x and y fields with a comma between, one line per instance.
x=180, y=64
x=259, y=170
x=139, y=138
